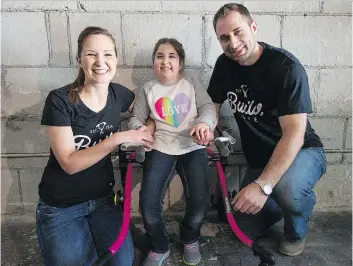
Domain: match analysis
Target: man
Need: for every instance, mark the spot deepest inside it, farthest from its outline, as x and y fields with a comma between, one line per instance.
x=267, y=89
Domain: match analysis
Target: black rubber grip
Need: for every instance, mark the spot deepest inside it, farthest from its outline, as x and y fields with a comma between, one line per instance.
x=222, y=149
x=140, y=154
x=103, y=259
x=265, y=256
x=226, y=134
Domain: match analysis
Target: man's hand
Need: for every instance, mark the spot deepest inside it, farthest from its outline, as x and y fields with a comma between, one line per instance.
x=249, y=200
x=201, y=133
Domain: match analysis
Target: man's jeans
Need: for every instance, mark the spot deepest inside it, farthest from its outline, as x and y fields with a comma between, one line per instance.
x=158, y=170
x=292, y=198
x=78, y=234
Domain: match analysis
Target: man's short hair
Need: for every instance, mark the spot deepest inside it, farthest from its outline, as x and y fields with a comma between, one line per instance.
x=227, y=8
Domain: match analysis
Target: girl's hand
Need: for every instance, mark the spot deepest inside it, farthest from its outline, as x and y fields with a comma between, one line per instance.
x=201, y=133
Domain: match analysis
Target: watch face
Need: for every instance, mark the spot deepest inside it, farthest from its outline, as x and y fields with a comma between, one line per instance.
x=267, y=189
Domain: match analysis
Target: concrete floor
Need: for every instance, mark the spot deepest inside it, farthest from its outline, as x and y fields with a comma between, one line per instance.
x=329, y=242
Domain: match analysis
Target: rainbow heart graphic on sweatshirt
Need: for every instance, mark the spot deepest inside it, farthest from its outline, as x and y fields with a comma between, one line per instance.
x=173, y=111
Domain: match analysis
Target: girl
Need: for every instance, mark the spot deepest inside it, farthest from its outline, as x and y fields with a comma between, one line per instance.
x=180, y=108
x=76, y=217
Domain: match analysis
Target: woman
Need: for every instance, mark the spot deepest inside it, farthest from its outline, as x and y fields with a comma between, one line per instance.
x=77, y=219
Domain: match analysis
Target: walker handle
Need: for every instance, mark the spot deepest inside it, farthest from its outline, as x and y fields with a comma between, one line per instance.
x=137, y=147
x=222, y=149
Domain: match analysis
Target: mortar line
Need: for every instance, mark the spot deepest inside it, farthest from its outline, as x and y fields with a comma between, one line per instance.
x=281, y=26
x=20, y=188
x=203, y=41
x=345, y=130
x=122, y=40
x=68, y=33
x=48, y=29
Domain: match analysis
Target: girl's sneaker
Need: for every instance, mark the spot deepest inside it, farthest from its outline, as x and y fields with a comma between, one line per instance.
x=156, y=259
x=192, y=255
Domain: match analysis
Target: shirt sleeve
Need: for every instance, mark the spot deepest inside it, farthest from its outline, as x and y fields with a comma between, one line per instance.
x=294, y=97
x=127, y=97
x=205, y=108
x=141, y=110
x=215, y=87
x=55, y=111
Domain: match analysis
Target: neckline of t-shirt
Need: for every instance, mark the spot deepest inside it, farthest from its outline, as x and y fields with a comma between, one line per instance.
x=169, y=85
x=261, y=58
x=102, y=110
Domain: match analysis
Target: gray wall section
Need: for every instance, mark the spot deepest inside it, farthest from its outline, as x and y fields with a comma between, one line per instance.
x=38, y=55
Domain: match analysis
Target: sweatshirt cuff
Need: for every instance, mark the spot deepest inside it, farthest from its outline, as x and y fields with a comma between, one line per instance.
x=207, y=121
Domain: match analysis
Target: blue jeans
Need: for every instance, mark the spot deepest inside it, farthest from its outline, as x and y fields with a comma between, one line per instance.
x=77, y=235
x=158, y=170
x=292, y=199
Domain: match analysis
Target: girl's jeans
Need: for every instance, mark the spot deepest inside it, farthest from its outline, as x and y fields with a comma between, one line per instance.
x=158, y=170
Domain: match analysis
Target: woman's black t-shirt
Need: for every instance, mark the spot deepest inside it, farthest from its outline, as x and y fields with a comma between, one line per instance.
x=59, y=189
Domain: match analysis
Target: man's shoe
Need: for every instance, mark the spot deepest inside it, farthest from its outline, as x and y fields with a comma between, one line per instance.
x=155, y=259
x=291, y=248
x=192, y=255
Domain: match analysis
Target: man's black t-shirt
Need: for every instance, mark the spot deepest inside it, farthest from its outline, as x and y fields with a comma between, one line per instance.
x=276, y=85
x=57, y=188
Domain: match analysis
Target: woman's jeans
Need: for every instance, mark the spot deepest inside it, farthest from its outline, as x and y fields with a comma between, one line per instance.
x=77, y=235
x=292, y=198
x=158, y=170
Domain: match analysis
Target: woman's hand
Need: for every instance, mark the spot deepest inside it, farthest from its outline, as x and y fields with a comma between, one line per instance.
x=141, y=135
x=202, y=133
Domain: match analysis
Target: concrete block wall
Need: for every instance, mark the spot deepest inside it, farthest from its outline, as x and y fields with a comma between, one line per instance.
x=38, y=54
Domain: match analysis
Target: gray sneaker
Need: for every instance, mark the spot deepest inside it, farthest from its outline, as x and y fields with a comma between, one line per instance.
x=291, y=248
x=192, y=254
x=155, y=259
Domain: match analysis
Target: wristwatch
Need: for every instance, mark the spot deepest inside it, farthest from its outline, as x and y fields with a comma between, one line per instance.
x=265, y=187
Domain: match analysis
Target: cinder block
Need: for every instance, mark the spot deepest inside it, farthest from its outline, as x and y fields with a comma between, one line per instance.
x=10, y=192
x=192, y=6
x=212, y=45
x=24, y=163
x=133, y=78
x=313, y=76
x=335, y=92
x=23, y=137
x=348, y=143
x=26, y=39
x=36, y=80
x=26, y=88
x=22, y=104
x=347, y=158
x=139, y=42
x=38, y=5
x=121, y=5
x=30, y=180
x=335, y=187
x=283, y=6
x=109, y=21
x=308, y=45
x=330, y=130
x=334, y=158
x=268, y=31
x=59, y=39
x=337, y=7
